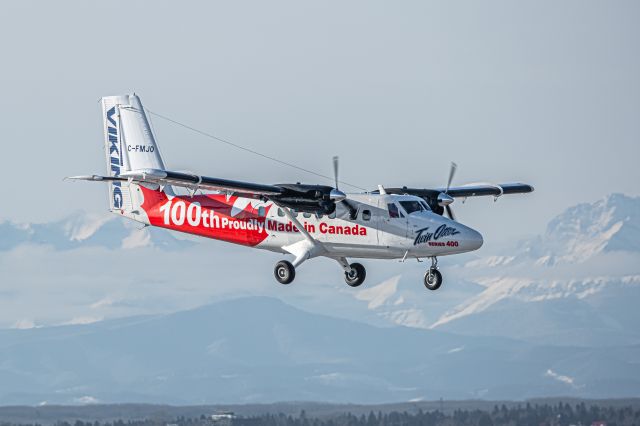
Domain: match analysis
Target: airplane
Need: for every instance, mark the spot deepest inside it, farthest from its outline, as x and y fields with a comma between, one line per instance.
x=302, y=220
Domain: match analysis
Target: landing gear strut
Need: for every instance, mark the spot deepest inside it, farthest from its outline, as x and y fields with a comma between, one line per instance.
x=285, y=272
x=433, y=277
x=354, y=274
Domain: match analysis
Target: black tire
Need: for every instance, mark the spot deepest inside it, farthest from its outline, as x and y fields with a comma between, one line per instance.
x=357, y=276
x=432, y=279
x=284, y=272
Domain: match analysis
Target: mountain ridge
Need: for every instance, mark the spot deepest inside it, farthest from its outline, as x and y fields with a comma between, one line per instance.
x=252, y=349
x=83, y=229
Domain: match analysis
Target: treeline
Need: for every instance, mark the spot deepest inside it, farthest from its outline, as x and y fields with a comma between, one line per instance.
x=535, y=415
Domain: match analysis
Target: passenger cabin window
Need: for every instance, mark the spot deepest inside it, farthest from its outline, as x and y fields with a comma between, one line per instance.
x=393, y=210
x=261, y=211
x=411, y=206
x=425, y=205
x=280, y=212
x=366, y=214
x=306, y=215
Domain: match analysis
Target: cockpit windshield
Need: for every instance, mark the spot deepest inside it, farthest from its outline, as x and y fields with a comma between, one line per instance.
x=412, y=206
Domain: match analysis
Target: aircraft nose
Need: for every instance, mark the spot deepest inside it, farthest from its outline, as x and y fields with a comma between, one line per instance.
x=473, y=239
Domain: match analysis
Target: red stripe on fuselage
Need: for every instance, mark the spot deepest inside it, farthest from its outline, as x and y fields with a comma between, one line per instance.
x=207, y=215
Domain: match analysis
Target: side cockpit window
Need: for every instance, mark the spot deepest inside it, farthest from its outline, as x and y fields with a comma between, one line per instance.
x=393, y=210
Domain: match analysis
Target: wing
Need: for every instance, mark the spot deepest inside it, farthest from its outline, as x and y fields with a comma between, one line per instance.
x=311, y=198
x=471, y=190
x=440, y=198
x=189, y=181
x=485, y=189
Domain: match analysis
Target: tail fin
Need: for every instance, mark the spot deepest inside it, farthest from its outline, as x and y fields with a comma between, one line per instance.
x=129, y=145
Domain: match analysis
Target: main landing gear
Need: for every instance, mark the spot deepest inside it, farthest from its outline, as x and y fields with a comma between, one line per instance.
x=356, y=276
x=433, y=277
x=354, y=273
x=285, y=272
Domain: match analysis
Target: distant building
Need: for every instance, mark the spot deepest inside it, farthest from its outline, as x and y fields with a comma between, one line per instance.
x=222, y=418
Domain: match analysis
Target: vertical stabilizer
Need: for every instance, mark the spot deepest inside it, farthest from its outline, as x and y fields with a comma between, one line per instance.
x=129, y=145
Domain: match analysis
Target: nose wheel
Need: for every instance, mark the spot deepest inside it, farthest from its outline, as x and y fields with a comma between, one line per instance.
x=433, y=277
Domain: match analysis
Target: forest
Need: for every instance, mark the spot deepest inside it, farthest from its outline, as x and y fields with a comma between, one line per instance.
x=561, y=414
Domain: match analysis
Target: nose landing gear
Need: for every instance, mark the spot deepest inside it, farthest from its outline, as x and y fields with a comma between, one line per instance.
x=433, y=277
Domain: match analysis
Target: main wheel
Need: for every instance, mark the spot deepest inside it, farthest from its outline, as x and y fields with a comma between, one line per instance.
x=356, y=276
x=432, y=279
x=285, y=272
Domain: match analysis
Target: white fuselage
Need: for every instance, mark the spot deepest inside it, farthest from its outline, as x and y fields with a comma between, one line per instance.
x=378, y=226
x=374, y=233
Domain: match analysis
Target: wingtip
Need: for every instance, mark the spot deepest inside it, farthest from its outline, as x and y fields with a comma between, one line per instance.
x=84, y=177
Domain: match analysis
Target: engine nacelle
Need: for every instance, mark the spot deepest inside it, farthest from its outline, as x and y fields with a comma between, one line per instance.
x=315, y=207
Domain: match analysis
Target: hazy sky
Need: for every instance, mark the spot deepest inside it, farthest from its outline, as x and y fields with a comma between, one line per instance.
x=544, y=92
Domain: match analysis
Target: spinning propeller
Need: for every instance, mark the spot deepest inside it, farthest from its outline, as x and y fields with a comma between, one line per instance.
x=338, y=196
x=444, y=199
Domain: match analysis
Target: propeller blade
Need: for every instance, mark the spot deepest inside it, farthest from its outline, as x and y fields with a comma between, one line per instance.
x=450, y=212
x=452, y=172
x=339, y=196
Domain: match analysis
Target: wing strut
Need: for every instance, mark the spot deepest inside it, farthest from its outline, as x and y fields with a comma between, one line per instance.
x=303, y=249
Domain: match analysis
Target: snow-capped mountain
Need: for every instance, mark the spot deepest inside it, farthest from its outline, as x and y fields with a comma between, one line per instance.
x=87, y=230
x=609, y=225
x=576, y=284
x=600, y=311
x=403, y=300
